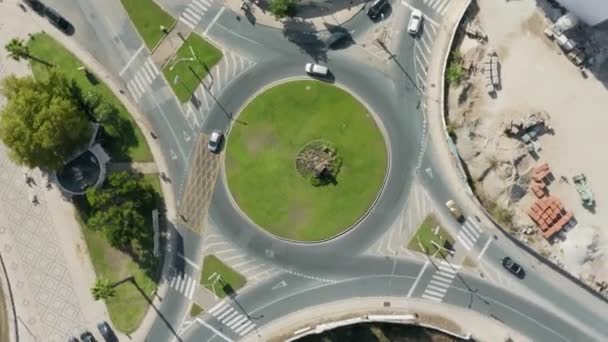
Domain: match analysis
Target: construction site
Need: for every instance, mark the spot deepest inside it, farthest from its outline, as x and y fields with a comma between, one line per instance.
x=527, y=92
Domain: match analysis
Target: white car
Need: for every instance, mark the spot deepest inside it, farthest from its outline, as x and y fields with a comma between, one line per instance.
x=415, y=22
x=215, y=140
x=316, y=69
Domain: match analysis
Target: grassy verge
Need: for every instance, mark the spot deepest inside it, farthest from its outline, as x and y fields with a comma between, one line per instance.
x=430, y=231
x=122, y=138
x=195, y=310
x=190, y=64
x=147, y=17
x=263, y=146
x=131, y=301
x=3, y=316
x=229, y=281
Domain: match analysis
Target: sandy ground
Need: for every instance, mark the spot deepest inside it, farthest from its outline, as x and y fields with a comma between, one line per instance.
x=536, y=76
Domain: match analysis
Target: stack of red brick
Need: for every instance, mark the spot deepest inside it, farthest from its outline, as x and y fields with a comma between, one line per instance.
x=539, y=174
x=549, y=214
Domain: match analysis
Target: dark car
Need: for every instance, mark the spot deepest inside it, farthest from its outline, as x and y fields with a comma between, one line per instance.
x=87, y=337
x=59, y=21
x=106, y=331
x=377, y=8
x=36, y=5
x=513, y=267
x=73, y=339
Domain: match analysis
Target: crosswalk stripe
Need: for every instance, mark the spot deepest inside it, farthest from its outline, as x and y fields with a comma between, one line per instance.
x=443, y=278
x=199, y=7
x=190, y=18
x=173, y=281
x=231, y=321
x=437, y=288
x=150, y=67
x=442, y=6
x=135, y=94
x=229, y=317
x=466, y=234
x=447, y=269
x=203, y=2
x=439, y=284
x=475, y=225
x=195, y=15
x=151, y=62
x=225, y=313
x=445, y=274
x=239, y=322
x=471, y=230
x=185, y=21
x=190, y=285
x=462, y=241
x=221, y=311
x=139, y=85
x=185, y=283
x=150, y=75
x=221, y=305
x=433, y=293
x=144, y=75
x=191, y=293
x=246, y=331
x=431, y=298
x=178, y=283
x=242, y=327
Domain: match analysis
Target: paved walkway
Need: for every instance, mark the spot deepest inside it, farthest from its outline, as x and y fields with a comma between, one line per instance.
x=481, y=327
x=145, y=168
x=319, y=23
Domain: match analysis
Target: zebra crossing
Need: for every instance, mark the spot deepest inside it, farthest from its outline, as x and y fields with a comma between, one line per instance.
x=422, y=53
x=438, y=6
x=194, y=12
x=144, y=76
x=469, y=234
x=232, y=318
x=440, y=282
x=184, y=284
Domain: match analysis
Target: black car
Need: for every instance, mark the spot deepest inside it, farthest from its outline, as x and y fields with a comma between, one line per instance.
x=59, y=21
x=377, y=8
x=87, y=337
x=513, y=267
x=36, y=5
x=106, y=331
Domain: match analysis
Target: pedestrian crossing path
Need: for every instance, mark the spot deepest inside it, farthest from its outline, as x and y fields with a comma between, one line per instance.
x=440, y=282
x=232, y=318
x=194, y=12
x=184, y=284
x=469, y=233
x=438, y=6
x=144, y=76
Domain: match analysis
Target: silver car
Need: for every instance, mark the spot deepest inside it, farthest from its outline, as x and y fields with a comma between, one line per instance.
x=215, y=140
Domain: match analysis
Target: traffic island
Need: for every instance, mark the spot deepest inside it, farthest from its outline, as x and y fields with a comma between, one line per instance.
x=431, y=239
x=220, y=278
x=305, y=160
x=148, y=19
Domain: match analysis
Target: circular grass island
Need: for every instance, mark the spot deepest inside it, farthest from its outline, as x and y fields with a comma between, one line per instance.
x=305, y=160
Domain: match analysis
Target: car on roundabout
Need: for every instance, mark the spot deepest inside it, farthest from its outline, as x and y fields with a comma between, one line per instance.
x=376, y=11
x=415, y=23
x=513, y=267
x=316, y=70
x=215, y=141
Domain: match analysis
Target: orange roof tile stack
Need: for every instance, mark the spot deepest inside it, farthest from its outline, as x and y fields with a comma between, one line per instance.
x=550, y=216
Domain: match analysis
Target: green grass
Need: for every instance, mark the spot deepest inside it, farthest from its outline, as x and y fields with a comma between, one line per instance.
x=124, y=141
x=211, y=265
x=195, y=310
x=426, y=234
x=263, y=145
x=190, y=72
x=129, y=304
x=153, y=180
x=147, y=17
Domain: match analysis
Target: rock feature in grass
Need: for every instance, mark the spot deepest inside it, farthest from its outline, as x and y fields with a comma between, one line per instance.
x=319, y=161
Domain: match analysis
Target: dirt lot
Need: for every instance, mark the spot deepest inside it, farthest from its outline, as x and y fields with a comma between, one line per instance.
x=536, y=77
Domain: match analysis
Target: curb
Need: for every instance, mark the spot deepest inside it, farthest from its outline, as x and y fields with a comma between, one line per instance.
x=8, y=291
x=380, y=126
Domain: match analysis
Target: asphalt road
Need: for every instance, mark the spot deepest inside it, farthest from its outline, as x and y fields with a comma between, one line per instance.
x=104, y=30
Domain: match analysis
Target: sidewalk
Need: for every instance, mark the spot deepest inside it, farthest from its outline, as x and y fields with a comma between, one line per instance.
x=265, y=18
x=481, y=327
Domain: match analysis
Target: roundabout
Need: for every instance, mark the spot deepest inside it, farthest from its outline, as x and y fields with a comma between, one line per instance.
x=335, y=141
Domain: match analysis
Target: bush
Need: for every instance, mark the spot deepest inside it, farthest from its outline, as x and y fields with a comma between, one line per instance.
x=282, y=8
x=455, y=70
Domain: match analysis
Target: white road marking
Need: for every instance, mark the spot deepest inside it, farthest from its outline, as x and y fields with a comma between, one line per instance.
x=190, y=262
x=122, y=71
x=246, y=331
x=282, y=283
x=422, y=66
x=426, y=17
x=185, y=21
x=217, y=16
x=426, y=264
x=219, y=333
x=465, y=244
x=217, y=307
x=485, y=247
x=192, y=13
x=225, y=313
x=229, y=317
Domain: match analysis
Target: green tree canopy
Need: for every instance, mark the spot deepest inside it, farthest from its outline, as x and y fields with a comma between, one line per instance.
x=119, y=208
x=41, y=123
x=17, y=49
x=103, y=289
x=282, y=8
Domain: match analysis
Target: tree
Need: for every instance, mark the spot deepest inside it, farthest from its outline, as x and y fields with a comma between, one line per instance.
x=103, y=289
x=119, y=208
x=17, y=49
x=41, y=123
x=282, y=8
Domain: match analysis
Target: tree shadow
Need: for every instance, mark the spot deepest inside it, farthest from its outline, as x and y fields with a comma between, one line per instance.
x=303, y=34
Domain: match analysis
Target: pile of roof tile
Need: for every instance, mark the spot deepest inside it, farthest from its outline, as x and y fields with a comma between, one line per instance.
x=550, y=216
x=539, y=180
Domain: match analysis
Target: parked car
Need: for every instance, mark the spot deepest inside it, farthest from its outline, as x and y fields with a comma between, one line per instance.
x=106, y=331
x=377, y=8
x=513, y=267
x=454, y=210
x=215, y=141
x=415, y=22
x=316, y=69
x=58, y=21
x=36, y=5
x=72, y=339
x=87, y=337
